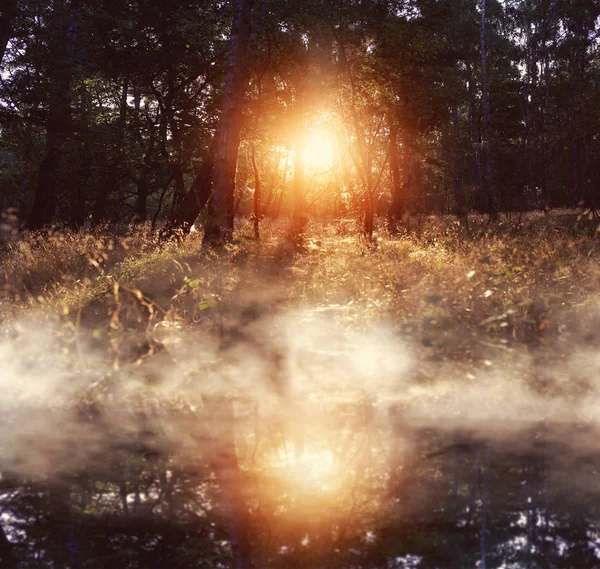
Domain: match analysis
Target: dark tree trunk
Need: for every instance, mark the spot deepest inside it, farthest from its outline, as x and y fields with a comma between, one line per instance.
x=219, y=225
x=193, y=202
x=123, y=108
x=140, y=211
x=460, y=200
x=547, y=164
x=44, y=202
x=492, y=202
x=272, y=204
x=581, y=135
x=257, y=215
x=114, y=179
x=99, y=212
x=475, y=142
x=257, y=194
x=537, y=177
x=8, y=13
x=58, y=124
x=179, y=181
x=369, y=220
x=7, y=559
x=397, y=207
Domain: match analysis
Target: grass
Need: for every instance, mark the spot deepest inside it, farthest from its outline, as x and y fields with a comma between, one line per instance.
x=453, y=296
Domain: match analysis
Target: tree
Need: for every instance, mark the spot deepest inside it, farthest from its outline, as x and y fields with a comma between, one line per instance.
x=63, y=34
x=219, y=225
x=8, y=13
x=118, y=110
x=492, y=201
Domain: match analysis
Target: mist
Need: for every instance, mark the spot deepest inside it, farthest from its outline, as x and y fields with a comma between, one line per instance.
x=64, y=403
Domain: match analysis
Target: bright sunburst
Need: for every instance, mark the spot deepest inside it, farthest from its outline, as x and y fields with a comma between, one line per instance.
x=318, y=149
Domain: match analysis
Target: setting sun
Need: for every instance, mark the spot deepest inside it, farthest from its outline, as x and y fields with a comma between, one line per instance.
x=318, y=149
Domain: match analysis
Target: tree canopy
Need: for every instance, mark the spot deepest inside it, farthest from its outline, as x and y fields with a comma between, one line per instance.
x=109, y=113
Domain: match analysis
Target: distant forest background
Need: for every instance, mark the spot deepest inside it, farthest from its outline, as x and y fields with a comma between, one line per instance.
x=108, y=110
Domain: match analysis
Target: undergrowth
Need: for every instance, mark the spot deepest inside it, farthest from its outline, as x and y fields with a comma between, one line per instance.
x=456, y=295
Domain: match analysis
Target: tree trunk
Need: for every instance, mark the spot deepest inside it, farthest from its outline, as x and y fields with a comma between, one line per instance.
x=7, y=559
x=460, y=201
x=179, y=181
x=257, y=215
x=397, y=206
x=492, y=202
x=369, y=220
x=219, y=225
x=7, y=16
x=114, y=178
x=532, y=112
x=194, y=201
x=140, y=211
x=123, y=108
x=547, y=163
x=299, y=213
x=473, y=119
x=257, y=193
x=58, y=124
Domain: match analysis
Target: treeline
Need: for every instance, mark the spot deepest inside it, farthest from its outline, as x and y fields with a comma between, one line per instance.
x=110, y=111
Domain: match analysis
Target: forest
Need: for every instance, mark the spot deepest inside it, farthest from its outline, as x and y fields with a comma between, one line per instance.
x=309, y=283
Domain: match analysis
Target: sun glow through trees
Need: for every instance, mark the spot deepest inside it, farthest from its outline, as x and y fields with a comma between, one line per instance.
x=318, y=149
x=312, y=468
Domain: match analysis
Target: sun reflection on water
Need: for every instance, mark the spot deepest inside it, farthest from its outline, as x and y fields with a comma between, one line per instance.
x=311, y=468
